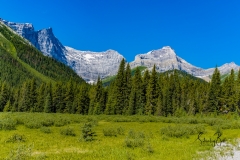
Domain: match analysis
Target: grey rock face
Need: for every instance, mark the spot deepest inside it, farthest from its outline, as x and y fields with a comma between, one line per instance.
x=90, y=65
x=44, y=40
x=166, y=59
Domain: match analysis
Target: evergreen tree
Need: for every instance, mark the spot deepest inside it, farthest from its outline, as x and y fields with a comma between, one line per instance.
x=97, y=101
x=82, y=100
x=39, y=106
x=25, y=101
x=136, y=105
x=119, y=90
x=160, y=109
x=57, y=97
x=4, y=96
x=68, y=97
x=32, y=94
x=145, y=82
x=229, y=93
x=127, y=87
x=152, y=95
x=7, y=107
x=110, y=110
x=176, y=91
x=238, y=92
x=214, y=92
x=48, y=104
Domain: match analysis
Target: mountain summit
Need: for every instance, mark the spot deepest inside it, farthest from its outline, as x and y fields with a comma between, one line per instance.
x=44, y=40
x=90, y=65
x=166, y=59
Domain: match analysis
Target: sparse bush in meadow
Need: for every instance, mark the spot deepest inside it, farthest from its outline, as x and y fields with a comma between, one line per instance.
x=113, y=132
x=8, y=124
x=67, y=132
x=87, y=133
x=22, y=152
x=34, y=124
x=46, y=130
x=110, y=132
x=16, y=138
x=61, y=122
x=149, y=148
x=120, y=131
x=47, y=122
x=213, y=121
x=181, y=131
x=135, y=139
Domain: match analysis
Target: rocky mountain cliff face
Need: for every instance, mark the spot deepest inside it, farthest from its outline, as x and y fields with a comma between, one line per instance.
x=166, y=59
x=89, y=65
x=44, y=40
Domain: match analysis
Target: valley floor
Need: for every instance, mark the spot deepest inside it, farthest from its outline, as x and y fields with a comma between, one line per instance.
x=61, y=136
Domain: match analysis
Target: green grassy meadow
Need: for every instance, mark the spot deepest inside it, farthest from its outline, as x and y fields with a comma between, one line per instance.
x=60, y=136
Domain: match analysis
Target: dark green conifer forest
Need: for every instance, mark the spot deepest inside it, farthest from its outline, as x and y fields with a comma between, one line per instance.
x=31, y=82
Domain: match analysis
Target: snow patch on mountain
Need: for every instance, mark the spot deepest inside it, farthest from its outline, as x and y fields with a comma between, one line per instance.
x=90, y=64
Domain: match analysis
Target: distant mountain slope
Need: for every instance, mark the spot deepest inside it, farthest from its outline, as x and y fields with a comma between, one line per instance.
x=166, y=59
x=20, y=60
x=89, y=65
x=44, y=40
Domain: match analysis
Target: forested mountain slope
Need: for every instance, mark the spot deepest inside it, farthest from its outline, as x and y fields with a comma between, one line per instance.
x=19, y=61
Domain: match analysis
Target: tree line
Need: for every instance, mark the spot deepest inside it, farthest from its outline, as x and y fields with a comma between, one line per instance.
x=148, y=93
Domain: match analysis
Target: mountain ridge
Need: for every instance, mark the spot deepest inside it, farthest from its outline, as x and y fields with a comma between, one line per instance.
x=89, y=65
x=20, y=60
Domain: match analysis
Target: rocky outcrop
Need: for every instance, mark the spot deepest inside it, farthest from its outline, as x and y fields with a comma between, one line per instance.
x=90, y=65
x=166, y=59
x=44, y=40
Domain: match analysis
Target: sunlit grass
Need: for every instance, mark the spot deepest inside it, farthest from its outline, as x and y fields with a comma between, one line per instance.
x=154, y=144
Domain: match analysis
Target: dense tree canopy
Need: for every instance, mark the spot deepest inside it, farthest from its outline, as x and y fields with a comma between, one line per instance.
x=149, y=93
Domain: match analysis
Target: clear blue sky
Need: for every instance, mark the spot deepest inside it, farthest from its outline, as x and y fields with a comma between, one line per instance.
x=206, y=33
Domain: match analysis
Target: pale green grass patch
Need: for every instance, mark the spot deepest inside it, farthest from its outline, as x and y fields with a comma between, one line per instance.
x=154, y=145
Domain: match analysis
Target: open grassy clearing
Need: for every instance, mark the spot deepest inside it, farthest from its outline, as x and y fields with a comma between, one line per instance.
x=59, y=136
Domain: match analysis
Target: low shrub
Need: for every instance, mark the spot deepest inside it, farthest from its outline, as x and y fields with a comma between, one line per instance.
x=149, y=148
x=8, y=124
x=47, y=122
x=120, y=131
x=181, y=131
x=67, y=132
x=61, y=122
x=87, y=133
x=135, y=139
x=22, y=152
x=113, y=132
x=46, y=130
x=33, y=124
x=16, y=138
x=132, y=143
x=213, y=121
x=110, y=132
